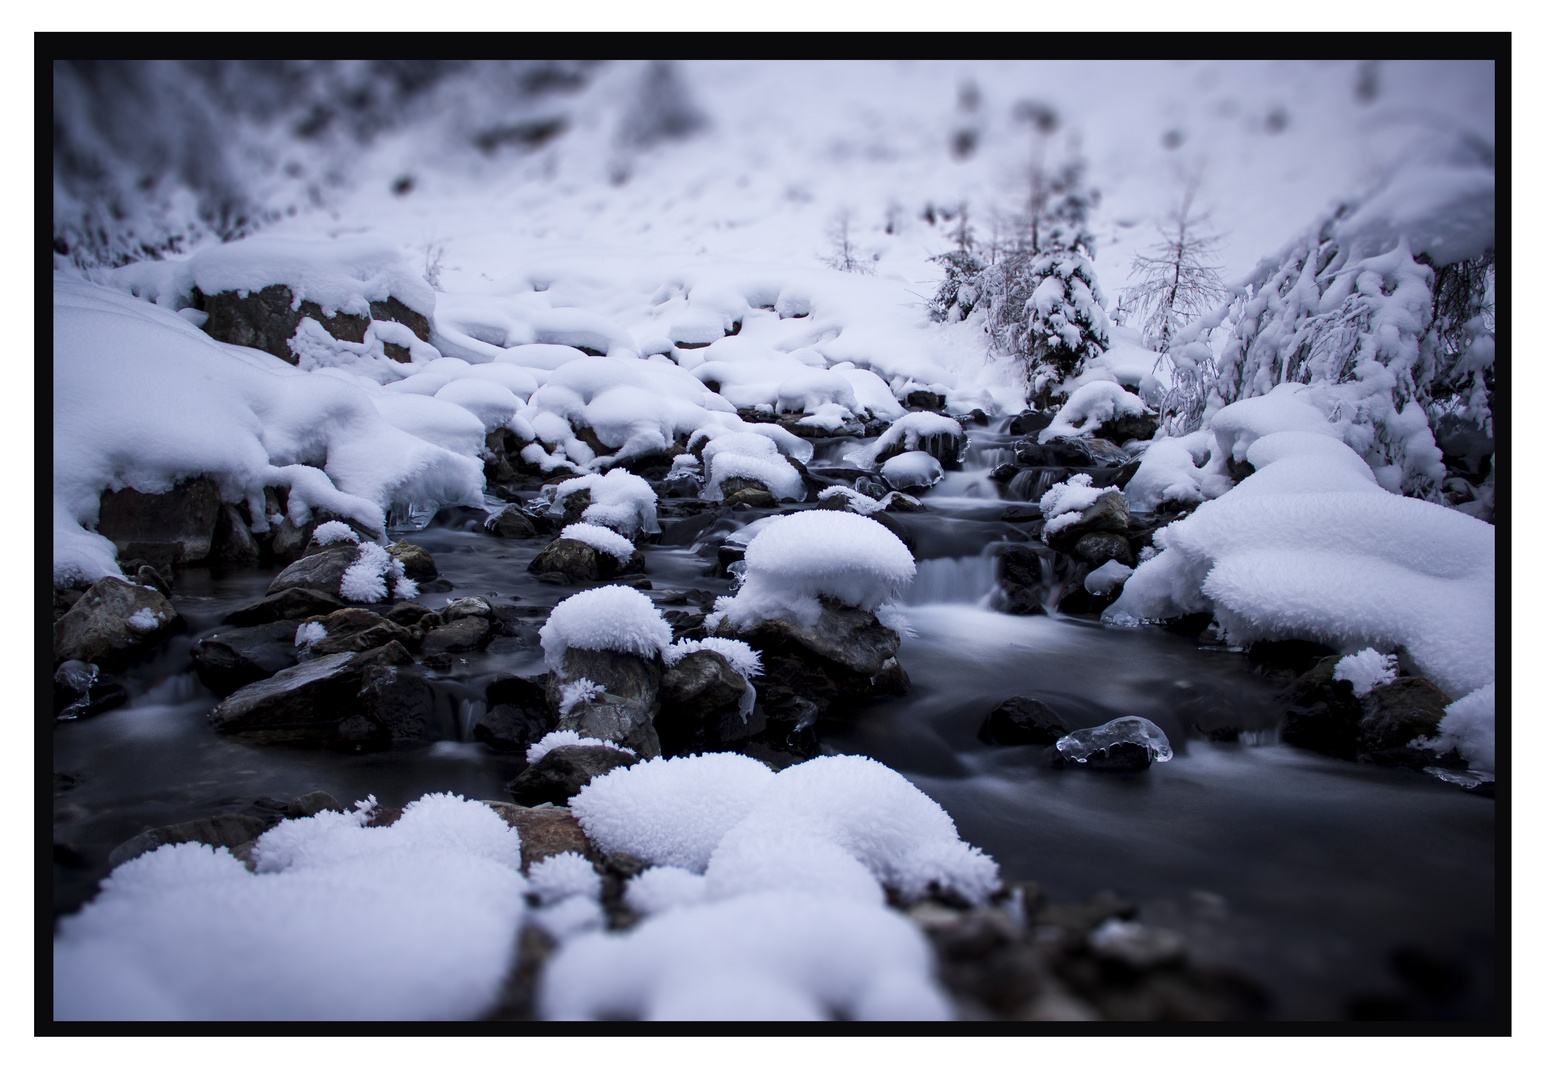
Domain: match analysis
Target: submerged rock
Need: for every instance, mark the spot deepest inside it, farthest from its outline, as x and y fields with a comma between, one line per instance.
x=1127, y=744
x=1021, y=721
x=81, y=691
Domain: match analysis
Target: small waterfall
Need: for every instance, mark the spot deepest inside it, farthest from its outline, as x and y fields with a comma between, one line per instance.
x=175, y=690
x=471, y=712
x=966, y=580
x=1031, y=484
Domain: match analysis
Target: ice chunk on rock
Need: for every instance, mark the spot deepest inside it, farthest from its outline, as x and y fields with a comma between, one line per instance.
x=1096, y=746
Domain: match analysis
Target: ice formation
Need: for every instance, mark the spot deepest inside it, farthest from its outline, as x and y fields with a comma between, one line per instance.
x=1366, y=670
x=1135, y=730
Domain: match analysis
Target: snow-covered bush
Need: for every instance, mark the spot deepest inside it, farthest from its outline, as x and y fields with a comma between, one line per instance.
x=1066, y=321
x=609, y=618
x=425, y=912
x=799, y=559
x=1382, y=308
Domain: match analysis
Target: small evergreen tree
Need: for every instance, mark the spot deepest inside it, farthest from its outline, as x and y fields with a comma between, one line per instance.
x=1066, y=323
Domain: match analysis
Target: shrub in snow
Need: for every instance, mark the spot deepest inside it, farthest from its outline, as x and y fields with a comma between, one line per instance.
x=800, y=558
x=375, y=576
x=1311, y=547
x=813, y=958
x=610, y=618
x=601, y=539
x=334, y=532
x=560, y=876
x=1385, y=306
x=619, y=500
x=1366, y=669
x=550, y=741
x=424, y=911
x=1089, y=407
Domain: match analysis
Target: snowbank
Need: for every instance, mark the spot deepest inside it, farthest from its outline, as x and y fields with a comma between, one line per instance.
x=799, y=559
x=415, y=921
x=610, y=618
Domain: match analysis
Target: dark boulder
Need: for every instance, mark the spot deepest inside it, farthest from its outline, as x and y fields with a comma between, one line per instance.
x=232, y=543
x=624, y=712
x=1056, y=452
x=400, y=701
x=1122, y=429
x=545, y=831
x=267, y=319
x=1109, y=513
x=293, y=603
x=169, y=528
x=846, y=636
x=224, y=830
x=579, y=562
x=356, y=630
x=1396, y=714
x=512, y=523
x=303, y=703
x=80, y=691
x=319, y=572
x=511, y=728
x=310, y=804
x=1322, y=713
x=564, y=772
x=741, y=493
x=1023, y=721
x=701, y=686
x=469, y=634
x=1031, y=422
x=1096, y=548
x=1025, y=573
x=925, y=399
x=407, y=613
x=229, y=659
x=418, y=563
x=113, y=624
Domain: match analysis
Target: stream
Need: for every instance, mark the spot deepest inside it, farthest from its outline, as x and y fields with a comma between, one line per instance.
x=1344, y=889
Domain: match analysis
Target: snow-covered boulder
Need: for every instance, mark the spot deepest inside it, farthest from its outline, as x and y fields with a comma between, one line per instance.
x=617, y=500
x=113, y=623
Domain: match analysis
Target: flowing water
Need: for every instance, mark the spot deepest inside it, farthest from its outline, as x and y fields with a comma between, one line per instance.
x=1322, y=879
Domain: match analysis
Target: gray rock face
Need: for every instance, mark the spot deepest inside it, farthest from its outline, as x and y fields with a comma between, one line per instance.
x=354, y=630
x=624, y=713
x=1122, y=429
x=224, y=830
x=512, y=523
x=166, y=529
x=303, y=703
x=295, y=603
x=847, y=636
x=232, y=542
x=462, y=635
x=741, y=493
x=517, y=714
x=266, y=319
x=1109, y=514
x=1096, y=548
x=113, y=623
x=564, y=772
x=1394, y=715
x=310, y=804
x=701, y=686
x=418, y=562
x=229, y=659
x=1023, y=720
x=468, y=607
x=579, y=562
x=400, y=701
x=320, y=572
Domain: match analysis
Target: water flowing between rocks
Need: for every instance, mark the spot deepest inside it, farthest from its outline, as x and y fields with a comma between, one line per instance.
x=1333, y=884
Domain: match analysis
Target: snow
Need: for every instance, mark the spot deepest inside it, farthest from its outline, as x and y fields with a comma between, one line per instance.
x=800, y=558
x=660, y=888
x=609, y=618
x=309, y=634
x=1311, y=547
x=558, y=877
x=1103, y=580
x=600, y=538
x=576, y=693
x=375, y=576
x=1365, y=670
x=909, y=430
x=334, y=532
x=122, y=367
x=1470, y=726
x=415, y=921
x=742, y=657
x=753, y=456
x=618, y=500
x=1179, y=469
x=144, y=619
x=551, y=740
x=1089, y=407
x=914, y=470
x=814, y=957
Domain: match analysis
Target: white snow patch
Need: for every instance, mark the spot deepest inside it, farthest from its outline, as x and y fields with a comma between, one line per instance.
x=334, y=532
x=1366, y=670
x=610, y=618
x=600, y=538
x=560, y=876
x=551, y=740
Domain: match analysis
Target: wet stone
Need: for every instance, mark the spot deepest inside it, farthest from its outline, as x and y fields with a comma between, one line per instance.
x=564, y=772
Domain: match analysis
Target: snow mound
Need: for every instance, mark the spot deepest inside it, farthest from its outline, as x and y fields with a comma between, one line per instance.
x=618, y=500
x=660, y=888
x=913, y=470
x=610, y=618
x=800, y=558
x=1311, y=547
x=1064, y=504
x=551, y=740
x=814, y=957
x=600, y=538
x=334, y=532
x=1366, y=670
x=909, y=430
x=423, y=912
x=1089, y=407
x=752, y=456
x=375, y=576
x=247, y=421
x=1470, y=726
x=671, y=811
x=557, y=877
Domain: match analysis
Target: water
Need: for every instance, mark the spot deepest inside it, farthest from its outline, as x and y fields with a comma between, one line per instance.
x=1304, y=872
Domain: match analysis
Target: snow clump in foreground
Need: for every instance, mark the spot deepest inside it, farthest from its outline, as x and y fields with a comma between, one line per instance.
x=1366, y=670
x=415, y=921
x=610, y=618
x=806, y=853
x=799, y=559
